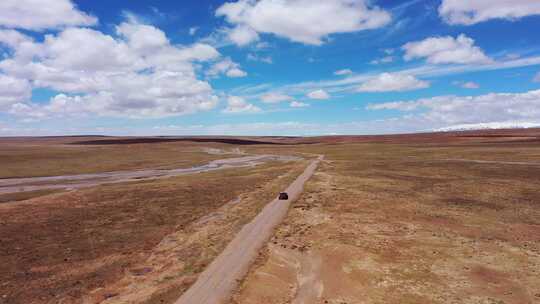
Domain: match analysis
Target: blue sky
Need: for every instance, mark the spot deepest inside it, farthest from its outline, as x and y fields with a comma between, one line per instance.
x=267, y=67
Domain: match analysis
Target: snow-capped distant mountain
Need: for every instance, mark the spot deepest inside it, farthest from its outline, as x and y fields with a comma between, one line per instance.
x=491, y=126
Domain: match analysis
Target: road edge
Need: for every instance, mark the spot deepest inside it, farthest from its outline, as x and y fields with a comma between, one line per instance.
x=218, y=281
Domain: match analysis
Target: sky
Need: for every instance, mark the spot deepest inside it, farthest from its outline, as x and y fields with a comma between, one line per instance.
x=267, y=67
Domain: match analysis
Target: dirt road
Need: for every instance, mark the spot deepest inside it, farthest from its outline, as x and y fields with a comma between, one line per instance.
x=216, y=283
x=14, y=185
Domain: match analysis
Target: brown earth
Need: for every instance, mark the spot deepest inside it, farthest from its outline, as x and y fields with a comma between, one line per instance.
x=395, y=223
x=387, y=219
x=217, y=282
x=33, y=157
x=86, y=244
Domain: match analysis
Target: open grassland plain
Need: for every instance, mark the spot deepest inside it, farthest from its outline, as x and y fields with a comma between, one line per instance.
x=137, y=242
x=426, y=219
x=32, y=157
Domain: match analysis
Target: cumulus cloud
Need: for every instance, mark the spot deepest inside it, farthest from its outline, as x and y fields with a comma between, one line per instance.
x=13, y=38
x=39, y=15
x=136, y=73
x=298, y=104
x=13, y=90
x=236, y=104
x=227, y=67
x=242, y=35
x=236, y=73
x=388, y=82
x=318, y=94
x=466, y=12
x=454, y=110
x=142, y=37
x=304, y=21
x=343, y=72
x=447, y=49
x=275, y=98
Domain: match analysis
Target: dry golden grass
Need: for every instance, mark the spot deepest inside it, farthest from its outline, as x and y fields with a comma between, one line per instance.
x=22, y=196
x=61, y=247
x=386, y=223
x=380, y=222
x=23, y=159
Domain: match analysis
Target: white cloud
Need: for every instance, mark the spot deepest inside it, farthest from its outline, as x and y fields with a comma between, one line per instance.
x=447, y=49
x=438, y=113
x=318, y=94
x=236, y=104
x=389, y=82
x=491, y=125
x=467, y=12
x=470, y=85
x=89, y=50
x=142, y=37
x=242, y=35
x=352, y=82
x=275, y=98
x=255, y=128
x=285, y=128
x=537, y=77
x=343, y=72
x=255, y=57
x=21, y=45
x=236, y=73
x=42, y=14
x=386, y=59
x=13, y=38
x=13, y=90
x=135, y=74
x=227, y=67
x=195, y=52
x=297, y=104
x=304, y=21
x=455, y=110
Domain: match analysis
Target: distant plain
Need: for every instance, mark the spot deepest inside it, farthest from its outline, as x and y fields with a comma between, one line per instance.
x=422, y=218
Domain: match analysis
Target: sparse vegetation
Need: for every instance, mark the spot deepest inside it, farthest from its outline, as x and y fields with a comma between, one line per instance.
x=68, y=246
x=427, y=219
x=400, y=223
x=57, y=156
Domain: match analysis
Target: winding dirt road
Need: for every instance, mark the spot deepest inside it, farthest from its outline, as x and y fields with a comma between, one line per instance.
x=217, y=282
